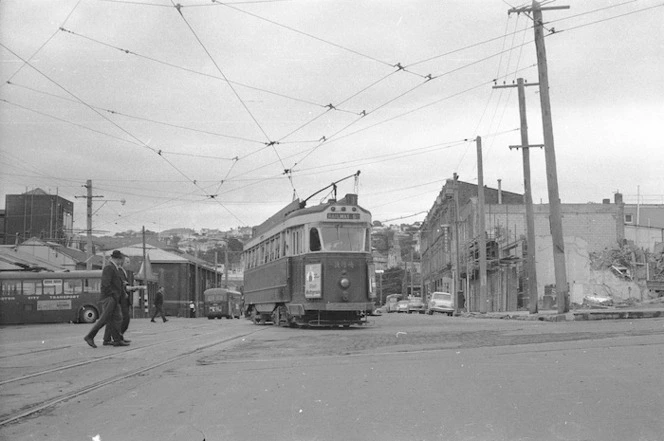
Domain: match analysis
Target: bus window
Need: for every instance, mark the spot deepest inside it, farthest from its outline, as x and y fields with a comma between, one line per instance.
x=314, y=240
x=10, y=287
x=52, y=286
x=30, y=287
x=73, y=286
x=92, y=285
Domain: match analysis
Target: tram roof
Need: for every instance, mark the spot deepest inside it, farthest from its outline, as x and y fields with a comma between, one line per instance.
x=296, y=208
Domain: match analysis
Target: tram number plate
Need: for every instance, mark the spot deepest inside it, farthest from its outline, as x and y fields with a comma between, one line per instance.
x=343, y=215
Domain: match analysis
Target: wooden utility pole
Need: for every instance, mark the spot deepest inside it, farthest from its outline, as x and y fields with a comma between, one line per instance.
x=88, y=196
x=457, y=279
x=531, y=271
x=88, y=254
x=481, y=242
x=226, y=266
x=555, y=214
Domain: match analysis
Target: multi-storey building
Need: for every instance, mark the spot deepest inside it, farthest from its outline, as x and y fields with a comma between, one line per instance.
x=37, y=214
x=452, y=265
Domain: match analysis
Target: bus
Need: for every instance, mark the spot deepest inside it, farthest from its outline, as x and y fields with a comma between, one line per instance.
x=49, y=297
x=311, y=266
x=222, y=302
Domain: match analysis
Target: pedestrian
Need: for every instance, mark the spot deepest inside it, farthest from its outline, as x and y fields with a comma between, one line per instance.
x=111, y=289
x=124, y=304
x=192, y=310
x=159, y=305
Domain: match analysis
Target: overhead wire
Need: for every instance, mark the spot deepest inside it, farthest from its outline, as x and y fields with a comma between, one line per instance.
x=43, y=44
x=142, y=144
x=270, y=142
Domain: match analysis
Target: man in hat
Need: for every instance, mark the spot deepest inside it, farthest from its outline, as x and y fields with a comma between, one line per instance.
x=124, y=305
x=112, y=288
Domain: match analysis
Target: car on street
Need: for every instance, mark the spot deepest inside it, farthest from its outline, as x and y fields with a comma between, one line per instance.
x=402, y=306
x=391, y=302
x=441, y=302
x=415, y=304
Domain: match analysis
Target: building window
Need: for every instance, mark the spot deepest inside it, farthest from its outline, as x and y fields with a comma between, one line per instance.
x=628, y=219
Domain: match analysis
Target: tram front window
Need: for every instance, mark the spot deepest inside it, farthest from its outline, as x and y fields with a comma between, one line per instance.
x=343, y=237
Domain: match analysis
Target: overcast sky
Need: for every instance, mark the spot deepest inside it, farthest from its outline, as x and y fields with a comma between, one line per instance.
x=214, y=115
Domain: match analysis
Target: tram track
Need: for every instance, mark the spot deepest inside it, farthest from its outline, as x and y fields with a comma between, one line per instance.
x=31, y=409
x=89, y=361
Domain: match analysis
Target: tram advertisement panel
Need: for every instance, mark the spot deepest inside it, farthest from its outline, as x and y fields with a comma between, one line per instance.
x=312, y=283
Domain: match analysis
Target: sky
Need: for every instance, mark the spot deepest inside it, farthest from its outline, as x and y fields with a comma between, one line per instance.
x=203, y=114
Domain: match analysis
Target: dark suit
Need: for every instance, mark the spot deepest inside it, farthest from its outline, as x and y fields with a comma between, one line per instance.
x=111, y=290
x=123, y=304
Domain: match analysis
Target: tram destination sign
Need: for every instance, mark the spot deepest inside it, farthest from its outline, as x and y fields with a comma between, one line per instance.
x=343, y=215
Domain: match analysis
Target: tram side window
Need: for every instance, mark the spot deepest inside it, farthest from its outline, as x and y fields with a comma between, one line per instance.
x=367, y=240
x=272, y=241
x=314, y=240
x=277, y=242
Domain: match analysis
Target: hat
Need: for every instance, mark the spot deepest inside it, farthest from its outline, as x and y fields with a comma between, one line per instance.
x=117, y=255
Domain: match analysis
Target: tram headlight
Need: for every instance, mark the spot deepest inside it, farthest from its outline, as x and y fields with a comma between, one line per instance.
x=344, y=282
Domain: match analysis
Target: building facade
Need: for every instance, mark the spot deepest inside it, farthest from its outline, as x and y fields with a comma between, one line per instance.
x=37, y=214
x=450, y=255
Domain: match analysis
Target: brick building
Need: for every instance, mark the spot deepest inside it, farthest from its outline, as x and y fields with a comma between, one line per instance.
x=37, y=214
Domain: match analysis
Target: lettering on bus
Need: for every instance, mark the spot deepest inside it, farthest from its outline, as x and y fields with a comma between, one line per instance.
x=53, y=305
x=343, y=215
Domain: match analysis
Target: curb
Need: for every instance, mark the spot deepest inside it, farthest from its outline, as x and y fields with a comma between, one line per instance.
x=576, y=315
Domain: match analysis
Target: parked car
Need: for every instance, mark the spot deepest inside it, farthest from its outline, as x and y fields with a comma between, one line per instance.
x=441, y=302
x=391, y=302
x=415, y=304
x=402, y=306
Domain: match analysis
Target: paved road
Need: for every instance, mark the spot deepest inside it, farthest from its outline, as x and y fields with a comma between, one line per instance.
x=404, y=377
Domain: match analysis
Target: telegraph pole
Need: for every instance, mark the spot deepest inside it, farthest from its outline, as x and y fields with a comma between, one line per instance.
x=555, y=215
x=226, y=266
x=482, y=227
x=89, y=196
x=531, y=271
x=457, y=280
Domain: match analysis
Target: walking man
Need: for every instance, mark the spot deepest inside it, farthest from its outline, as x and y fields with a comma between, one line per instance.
x=124, y=304
x=158, y=305
x=111, y=291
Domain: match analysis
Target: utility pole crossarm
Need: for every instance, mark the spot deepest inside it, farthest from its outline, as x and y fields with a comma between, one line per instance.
x=505, y=86
x=531, y=8
x=526, y=146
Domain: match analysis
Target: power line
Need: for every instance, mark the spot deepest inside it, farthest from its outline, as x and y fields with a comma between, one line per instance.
x=174, y=66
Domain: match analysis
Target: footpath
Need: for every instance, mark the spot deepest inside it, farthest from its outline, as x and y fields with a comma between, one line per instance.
x=651, y=309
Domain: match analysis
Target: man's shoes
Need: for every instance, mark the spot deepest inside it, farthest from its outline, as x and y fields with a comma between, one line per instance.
x=153, y=321
x=120, y=343
x=108, y=343
x=125, y=340
x=90, y=341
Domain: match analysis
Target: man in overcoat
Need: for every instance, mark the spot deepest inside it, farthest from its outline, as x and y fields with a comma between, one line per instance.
x=112, y=289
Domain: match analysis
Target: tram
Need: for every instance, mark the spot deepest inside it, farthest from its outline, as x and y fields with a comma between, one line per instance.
x=311, y=266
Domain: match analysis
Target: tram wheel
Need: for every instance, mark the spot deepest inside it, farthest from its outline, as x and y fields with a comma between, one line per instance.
x=257, y=317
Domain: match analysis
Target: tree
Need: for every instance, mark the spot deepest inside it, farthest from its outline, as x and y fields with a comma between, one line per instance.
x=393, y=281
